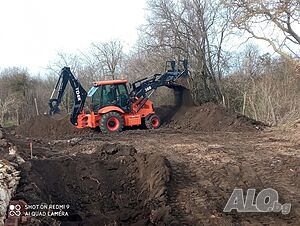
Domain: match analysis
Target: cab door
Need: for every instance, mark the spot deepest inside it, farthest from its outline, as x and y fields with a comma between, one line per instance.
x=123, y=97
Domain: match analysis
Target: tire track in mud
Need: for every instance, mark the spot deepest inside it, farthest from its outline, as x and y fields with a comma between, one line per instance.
x=206, y=167
x=191, y=194
x=189, y=203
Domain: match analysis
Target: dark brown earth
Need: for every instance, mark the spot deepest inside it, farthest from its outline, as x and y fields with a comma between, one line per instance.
x=44, y=125
x=212, y=117
x=207, y=117
x=112, y=186
x=205, y=168
x=205, y=162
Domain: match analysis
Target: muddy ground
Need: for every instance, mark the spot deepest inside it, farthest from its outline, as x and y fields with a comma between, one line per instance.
x=205, y=167
x=107, y=187
x=180, y=174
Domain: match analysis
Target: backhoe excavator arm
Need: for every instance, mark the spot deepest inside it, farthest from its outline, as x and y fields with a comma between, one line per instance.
x=79, y=94
x=143, y=88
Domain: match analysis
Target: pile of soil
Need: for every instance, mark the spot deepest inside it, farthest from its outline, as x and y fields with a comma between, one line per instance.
x=207, y=117
x=113, y=186
x=212, y=117
x=44, y=126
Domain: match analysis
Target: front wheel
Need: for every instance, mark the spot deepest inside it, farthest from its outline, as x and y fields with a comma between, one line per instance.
x=152, y=122
x=111, y=122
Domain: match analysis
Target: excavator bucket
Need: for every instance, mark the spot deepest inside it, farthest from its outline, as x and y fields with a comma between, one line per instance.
x=58, y=115
x=182, y=78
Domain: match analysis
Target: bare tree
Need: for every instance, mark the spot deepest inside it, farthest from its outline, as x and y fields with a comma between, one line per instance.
x=17, y=94
x=275, y=22
x=192, y=29
x=109, y=56
x=64, y=60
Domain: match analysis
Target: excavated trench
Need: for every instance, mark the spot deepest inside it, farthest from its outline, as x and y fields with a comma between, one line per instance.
x=113, y=186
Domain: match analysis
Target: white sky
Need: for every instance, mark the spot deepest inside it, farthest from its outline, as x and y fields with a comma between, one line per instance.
x=33, y=31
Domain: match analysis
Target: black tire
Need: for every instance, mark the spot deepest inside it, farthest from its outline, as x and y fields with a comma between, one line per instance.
x=111, y=122
x=152, y=122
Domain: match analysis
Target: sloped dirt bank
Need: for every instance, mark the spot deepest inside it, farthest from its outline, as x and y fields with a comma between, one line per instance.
x=212, y=117
x=206, y=117
x=113, y=186
x=45, y=126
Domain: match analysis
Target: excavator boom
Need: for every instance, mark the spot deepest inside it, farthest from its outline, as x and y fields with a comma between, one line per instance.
x=144, y=88
x=79, y=94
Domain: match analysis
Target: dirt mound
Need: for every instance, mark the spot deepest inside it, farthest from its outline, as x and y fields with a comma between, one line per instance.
x=44, y=126
x=113, y=186
x=207, y=117
x=212, y=117
x=183, y=99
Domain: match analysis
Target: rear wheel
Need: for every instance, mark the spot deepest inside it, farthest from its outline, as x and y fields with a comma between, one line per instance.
x=152, y=122
x=111, y=122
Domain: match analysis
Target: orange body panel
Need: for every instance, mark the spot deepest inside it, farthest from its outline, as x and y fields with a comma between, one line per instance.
x=145, y=110
x=88, y=120
x=134, y=118
x=106, y=109
x=110, y=82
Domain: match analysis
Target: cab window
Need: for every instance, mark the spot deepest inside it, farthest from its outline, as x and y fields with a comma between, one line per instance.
x=122, y=95
x=96, y=98
x=108, y=95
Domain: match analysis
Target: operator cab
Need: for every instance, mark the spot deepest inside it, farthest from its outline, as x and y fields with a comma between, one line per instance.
x=109, y=93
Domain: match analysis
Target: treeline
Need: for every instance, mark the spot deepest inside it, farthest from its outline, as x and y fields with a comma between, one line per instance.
x=264, y=86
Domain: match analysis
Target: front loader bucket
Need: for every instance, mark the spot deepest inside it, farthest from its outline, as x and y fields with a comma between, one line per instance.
x=182, y=81
x=182, y=78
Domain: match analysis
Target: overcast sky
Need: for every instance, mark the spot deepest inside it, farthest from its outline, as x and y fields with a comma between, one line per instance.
x=33, y=31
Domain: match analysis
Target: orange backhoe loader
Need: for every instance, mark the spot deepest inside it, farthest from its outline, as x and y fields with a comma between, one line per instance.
x=112, y=106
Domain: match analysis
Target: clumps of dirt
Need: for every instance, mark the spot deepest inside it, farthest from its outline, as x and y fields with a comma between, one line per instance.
x=216, y=187
x=45, y=126
x=212, y=117
x=113, y=186
x=206, y=117
x=183, y=99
